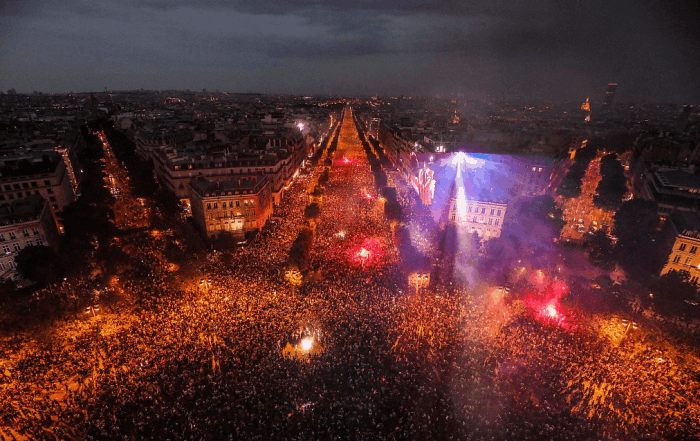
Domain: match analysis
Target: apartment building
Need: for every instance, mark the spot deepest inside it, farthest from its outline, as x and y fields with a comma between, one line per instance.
x=24, y=175
x=24, y=223
x=235, y=204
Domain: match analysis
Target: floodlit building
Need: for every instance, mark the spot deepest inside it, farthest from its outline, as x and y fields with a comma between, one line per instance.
x=24, y=223
x=238, y=205
x=683, y=230
x=482, y=217
x=47, y=176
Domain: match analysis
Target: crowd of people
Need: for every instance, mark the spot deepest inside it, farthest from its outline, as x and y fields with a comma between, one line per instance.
x=203, y=358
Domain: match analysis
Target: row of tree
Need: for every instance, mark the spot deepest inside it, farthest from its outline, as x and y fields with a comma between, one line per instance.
x=613, y=184
x=300, y=251
x=411, y=258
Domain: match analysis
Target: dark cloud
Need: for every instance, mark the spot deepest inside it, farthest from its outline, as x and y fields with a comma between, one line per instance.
x=541, y=48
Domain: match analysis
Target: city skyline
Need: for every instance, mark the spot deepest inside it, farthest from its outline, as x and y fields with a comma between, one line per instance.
x=527, y=50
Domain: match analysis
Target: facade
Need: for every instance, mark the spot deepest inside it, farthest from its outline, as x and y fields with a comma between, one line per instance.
x=683, y=230
x=279, y=161
x=238, y=205
x=24, y=223
x=482, y=217
x=46, y=176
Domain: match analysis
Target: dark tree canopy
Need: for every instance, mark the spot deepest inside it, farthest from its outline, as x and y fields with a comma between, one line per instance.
x=39, y=264
x=635, y=227
x=613, y=184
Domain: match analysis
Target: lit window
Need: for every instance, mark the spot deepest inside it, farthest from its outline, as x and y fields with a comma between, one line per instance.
x=682, y=247
x=676, y=258
x=6, y=248
x=499, y=212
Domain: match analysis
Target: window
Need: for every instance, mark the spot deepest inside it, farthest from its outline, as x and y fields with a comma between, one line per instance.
x=12, y=235
x=29, y=243
x=6, y=248
x=453, y=216
x=496, y=223
x=534, y=168
x=49, y=190
x=474, y=220
x=7, y=187
x=47, y=182
x=499, y=212
x=230, y=204
x=676, y=258
x=17, y=247
x=682, y=247
x=490, y=221
x=39, y=241
x=2, y=238
x=35, y=230
x=252, y=202
x=25, y=232
x=470, y=208
x=694, y=279
x=539, y=169
x=34, y=184
x=687, y=260
x=483, y=210
x=25, y=185
x=15, y=186
x=52, y=198
x=19, y=194
x=238, y=204
x=216, y=205
x=208, y=205
x=693, y=250
x=2, y=266
x=492, y=211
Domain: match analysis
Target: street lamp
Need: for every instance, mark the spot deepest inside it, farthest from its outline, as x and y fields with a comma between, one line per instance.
x=93, y=309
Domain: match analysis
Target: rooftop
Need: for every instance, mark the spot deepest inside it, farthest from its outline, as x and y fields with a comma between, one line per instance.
x=23, y=210
x=244, y=185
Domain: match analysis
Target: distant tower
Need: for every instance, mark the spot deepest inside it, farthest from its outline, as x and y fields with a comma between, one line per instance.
x=609, y=94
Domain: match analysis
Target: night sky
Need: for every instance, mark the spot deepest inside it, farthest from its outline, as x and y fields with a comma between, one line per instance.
x=484, y=48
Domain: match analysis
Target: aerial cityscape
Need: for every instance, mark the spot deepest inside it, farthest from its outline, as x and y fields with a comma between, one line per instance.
x=334, y=241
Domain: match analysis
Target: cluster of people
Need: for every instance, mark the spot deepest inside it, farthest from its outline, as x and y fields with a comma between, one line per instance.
x=204, y=359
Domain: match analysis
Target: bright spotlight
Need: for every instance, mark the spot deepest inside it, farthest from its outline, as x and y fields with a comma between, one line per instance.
x=364, y=252
x=551, y=311
x=307, y=343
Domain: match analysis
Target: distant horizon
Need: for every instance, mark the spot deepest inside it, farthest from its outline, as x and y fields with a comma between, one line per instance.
x=538, y=100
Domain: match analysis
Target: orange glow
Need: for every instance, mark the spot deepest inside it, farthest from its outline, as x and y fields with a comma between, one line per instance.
x=586, y=106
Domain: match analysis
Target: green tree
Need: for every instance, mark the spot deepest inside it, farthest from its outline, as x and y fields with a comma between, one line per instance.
x=39, y=264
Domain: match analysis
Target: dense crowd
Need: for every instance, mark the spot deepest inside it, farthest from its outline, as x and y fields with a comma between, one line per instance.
x=203, y=359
